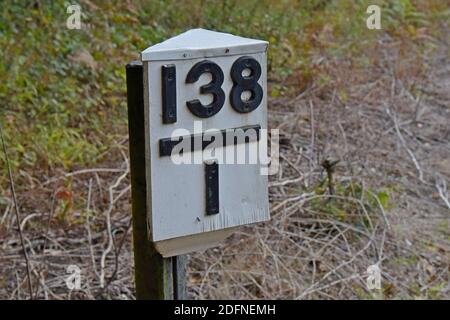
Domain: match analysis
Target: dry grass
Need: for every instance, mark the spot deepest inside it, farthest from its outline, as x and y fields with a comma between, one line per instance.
x=388, y=126
x=319, y=245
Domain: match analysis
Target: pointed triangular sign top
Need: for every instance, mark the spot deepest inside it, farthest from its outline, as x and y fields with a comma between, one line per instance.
x=201, y=43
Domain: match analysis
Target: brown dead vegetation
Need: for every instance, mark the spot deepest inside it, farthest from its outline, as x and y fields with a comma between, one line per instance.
x=384, y=126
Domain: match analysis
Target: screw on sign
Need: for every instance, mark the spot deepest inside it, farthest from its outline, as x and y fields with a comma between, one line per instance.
x=205, y=120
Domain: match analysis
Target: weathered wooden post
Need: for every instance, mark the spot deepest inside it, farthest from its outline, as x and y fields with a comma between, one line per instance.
x=153, y=273
x=155, y=277
x=188, y=193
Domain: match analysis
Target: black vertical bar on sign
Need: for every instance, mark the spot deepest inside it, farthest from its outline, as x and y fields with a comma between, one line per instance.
x=169, y=93
x=212, y=187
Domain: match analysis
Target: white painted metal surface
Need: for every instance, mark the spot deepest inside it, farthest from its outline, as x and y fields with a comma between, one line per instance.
x=176, y=215
x=201, y=43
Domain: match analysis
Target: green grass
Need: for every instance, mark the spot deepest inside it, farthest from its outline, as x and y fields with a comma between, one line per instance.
x=59, y=113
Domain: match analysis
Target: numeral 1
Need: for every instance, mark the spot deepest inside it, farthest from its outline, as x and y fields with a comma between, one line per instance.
x=169, y=93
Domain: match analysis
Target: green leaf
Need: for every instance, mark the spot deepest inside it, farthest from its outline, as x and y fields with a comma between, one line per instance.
x=383, y=197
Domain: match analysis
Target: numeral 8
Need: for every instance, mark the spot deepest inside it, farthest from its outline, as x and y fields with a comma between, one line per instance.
x=246, y=83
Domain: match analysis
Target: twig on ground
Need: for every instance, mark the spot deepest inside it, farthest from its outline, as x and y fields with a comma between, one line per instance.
x=311, y=116
x=117, y=253
x=403, y=142
x=441, y=186
x=16, y=207
x=88, y=228
x=84, y=171
x=329, y=166
x=112, y=200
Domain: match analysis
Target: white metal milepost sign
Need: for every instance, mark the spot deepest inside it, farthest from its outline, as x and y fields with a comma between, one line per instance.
x=203, y=92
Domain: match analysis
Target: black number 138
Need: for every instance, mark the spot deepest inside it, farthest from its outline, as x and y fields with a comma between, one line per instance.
x=241, y=83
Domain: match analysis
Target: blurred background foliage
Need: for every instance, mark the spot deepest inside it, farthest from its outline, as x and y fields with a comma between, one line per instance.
x=62, y=92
